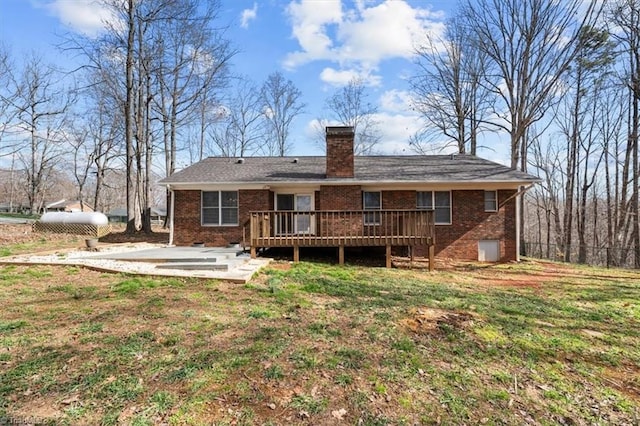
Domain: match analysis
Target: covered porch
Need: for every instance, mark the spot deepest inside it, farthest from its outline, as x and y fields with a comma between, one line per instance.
x=333, y=228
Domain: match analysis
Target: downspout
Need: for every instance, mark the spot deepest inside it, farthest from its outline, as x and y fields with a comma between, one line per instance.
x=173, y=199
x=517, y=196
x=517, y=227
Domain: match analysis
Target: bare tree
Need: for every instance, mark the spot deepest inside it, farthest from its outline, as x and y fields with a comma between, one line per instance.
x=576, y=117
x=281, y=104
x=449, y=91
x=42, y=105
x=82, y=159
x=190, y=61
x=242, y=127
x=626, y=16
x=103, y=121
x=8, y=111
x=530, y=45
x=349, y=106
x=160, y=58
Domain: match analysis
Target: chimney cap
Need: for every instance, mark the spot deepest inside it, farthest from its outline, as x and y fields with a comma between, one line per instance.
x=339, y=130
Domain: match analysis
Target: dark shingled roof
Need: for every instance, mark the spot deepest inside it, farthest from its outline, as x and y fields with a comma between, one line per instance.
x=375, y=169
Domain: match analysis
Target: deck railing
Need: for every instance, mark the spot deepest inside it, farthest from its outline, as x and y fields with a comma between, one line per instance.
x=333, y=228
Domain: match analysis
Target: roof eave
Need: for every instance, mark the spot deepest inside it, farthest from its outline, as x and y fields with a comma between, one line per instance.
x=268, y=184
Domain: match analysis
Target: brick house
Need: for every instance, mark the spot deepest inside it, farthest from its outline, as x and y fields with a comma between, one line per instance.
x=68, y=206
x=447, y=206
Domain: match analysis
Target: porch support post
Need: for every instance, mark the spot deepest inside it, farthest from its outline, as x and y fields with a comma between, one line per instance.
x=296, y=253
x=388, y=255
x=432, y=255
x=253, y=252
x=341, y=255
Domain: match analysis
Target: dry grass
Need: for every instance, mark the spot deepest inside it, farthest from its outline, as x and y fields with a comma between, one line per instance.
x=311, y=343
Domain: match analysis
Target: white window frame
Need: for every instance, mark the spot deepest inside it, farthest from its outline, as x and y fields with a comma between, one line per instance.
x=495, y=201
x=433, y=206
x=220, y=208
x=371, y=219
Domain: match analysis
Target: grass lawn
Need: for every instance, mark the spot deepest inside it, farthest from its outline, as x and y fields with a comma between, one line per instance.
x=534, y=343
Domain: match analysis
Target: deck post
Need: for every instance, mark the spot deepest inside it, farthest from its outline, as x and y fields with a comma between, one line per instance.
x=432, y=255
x=253, y=252
x=296, y=253
x=388, y=256
x=341, y=254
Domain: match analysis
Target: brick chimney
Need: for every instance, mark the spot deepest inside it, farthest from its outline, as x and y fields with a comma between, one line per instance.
x=339, y=152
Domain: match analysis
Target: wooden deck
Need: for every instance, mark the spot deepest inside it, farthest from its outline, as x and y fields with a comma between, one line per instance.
x=329, y=228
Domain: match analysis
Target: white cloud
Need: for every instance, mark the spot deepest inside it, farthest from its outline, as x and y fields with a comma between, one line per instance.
x=358, y=39
x=396, y=101
x=397, y=130
x=248, y=15
x=84, y=16
x=343, y=77
x=309, y=26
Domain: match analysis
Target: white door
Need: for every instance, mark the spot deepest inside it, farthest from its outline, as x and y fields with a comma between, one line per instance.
x=303, y=222
x=488, y=250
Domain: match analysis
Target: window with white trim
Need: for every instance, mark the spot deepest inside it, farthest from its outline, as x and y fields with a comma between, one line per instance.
x=439, y=202
x=372, y=201
x=490, y=201
x=219, y=208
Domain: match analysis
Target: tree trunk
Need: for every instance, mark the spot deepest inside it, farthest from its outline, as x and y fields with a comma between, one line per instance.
x=128, y=118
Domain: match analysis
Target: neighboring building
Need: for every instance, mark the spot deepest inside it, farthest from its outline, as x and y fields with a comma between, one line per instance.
x=12, y=208
x=449, y=206
x=67, y=206
x=119, y=215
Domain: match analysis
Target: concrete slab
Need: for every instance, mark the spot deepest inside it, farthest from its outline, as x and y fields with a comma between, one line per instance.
x=144, y=259
x=173, y=254
x=194, y=266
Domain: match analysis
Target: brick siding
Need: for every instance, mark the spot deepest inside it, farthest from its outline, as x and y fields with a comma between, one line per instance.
x=347, y=197
x=187, y=222
x=470, y=223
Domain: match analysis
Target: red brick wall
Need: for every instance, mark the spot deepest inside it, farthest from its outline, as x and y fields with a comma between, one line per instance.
x=470, y=223
x=398, y=200
x=187, y=222
x=347, y=197
x=339, y=152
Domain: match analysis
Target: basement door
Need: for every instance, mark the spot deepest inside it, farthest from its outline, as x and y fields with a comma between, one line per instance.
x=488, y=250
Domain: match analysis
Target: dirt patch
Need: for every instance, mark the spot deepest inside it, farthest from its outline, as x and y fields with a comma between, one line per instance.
x=280, y=265
x=23, y=234
x=17, y=234
x=624, y=378
x=158, y=235
x=437, y=321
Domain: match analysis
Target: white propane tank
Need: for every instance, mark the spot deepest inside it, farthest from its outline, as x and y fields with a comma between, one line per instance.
x=81, y=218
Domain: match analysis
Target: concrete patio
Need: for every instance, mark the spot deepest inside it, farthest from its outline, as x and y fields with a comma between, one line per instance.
x=229, y=264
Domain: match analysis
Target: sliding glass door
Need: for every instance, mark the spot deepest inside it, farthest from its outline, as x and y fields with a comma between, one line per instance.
x=294, y=223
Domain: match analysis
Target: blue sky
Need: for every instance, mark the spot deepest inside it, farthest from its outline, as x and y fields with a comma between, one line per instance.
x=318, y=44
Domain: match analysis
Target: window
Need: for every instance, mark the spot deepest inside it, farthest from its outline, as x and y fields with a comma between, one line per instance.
x=219, y=208
x=490, y=201
x=372, y=201
x=439, y=202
